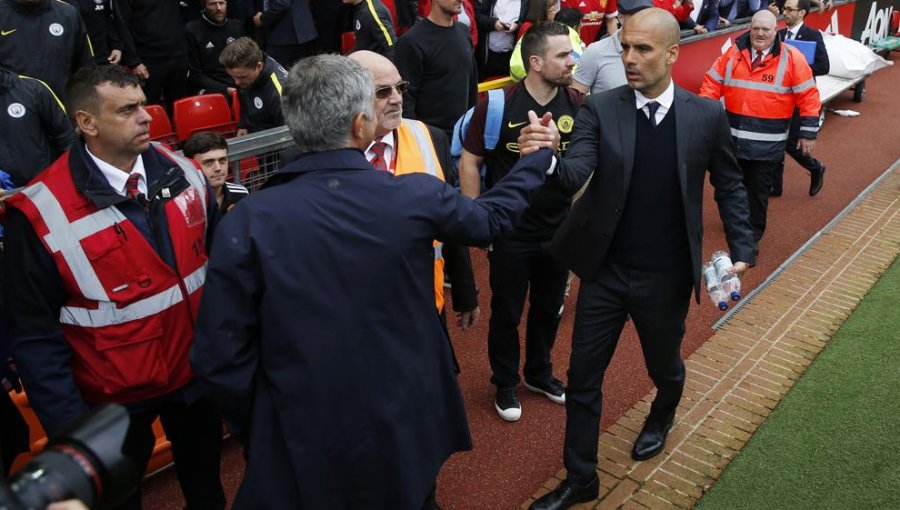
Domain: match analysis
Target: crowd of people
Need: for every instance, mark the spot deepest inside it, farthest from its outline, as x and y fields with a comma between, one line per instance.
x=311, y=316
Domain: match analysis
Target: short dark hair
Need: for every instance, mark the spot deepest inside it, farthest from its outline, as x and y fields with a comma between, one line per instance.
x=243, y=52
x=803, y=5
x=569, y=16
x=203, y=141
x=81, y=91
x=535, y=40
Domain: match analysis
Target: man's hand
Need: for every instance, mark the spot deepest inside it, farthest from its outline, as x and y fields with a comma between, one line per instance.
x=699, y=29
x=115, y=56
x=257, y=19
x=512, y=27
x=806, y=145
x=70, y=504
x=241, y=132
x=466, y=320
x=774, y=9
x=739, y=268
x=539, y=133
x=141, y=72
x=230, y=90
x=725, y=22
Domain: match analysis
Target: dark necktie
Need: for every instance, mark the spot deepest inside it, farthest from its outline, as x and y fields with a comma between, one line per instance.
x=378, y=160
x=652, y=106
x=790, y=35
x=131, y=189
x=756, y=60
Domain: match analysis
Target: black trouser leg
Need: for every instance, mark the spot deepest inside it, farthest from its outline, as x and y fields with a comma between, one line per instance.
x=546, y=296
x=195, y=432
x=138, y=447
x=509, y=268
x=758, y=181
x=805, y=160
x=600, y=314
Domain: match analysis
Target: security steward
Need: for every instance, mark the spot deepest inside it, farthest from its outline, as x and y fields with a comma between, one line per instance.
x=258, y=78
x=106, y=254
x=519, y=262
x=762, y=80
x=404, y=146
x=206, y=38
x=44, y=39
x=35, y=128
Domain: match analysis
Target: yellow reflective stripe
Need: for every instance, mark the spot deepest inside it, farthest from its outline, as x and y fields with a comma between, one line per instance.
x=384, y=30
x=106, y=314
x=276, y=82
x=90, y=45
x=62, y=238
x=48, y=88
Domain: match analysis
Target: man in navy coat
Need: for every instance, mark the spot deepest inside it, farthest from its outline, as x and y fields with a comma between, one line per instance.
x=317, y=334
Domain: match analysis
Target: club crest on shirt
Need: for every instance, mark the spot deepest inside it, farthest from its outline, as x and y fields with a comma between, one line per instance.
x=56, y=29
x=565, y=124
x=257, y=102
x=16, y=110
x=229, y=40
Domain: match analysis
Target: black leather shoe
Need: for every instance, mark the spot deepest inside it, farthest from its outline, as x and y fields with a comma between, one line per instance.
x=652, y=438
x=816, y=180
x=567, y=495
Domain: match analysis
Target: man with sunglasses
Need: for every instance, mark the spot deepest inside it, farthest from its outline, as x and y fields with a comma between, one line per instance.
x=403, y=146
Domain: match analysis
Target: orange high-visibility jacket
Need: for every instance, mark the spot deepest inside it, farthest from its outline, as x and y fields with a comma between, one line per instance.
x=415, y=152
x=760, y=102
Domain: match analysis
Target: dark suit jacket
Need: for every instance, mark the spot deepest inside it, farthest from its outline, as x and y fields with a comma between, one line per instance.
x=606, y=148
x=820, y=64
x=288, y=22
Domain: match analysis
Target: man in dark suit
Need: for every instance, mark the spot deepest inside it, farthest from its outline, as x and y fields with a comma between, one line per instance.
x=317, y=332
x=634, y=238
x=287, y=29
x=794, y=13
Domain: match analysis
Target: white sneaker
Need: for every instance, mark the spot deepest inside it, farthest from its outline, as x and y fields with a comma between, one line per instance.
x=507, y=404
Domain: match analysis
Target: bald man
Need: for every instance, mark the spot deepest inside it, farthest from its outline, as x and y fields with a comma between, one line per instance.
x=404, y=146
x=634, y=238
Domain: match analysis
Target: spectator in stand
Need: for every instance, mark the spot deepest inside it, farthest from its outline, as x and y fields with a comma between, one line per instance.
x=498, y=23
x=103, y=28
x=286, y=28
x=601, y=15
x=519, y=262
x=682, y=10
x=795, y=12
x=35, y=128
x=43, y=39
x=777, y=6
x=259, y=79
x=155, y=48
x=404, y=146
x=714, y=13
x=466, y=16
x=206, y=38
x=538, y=11
x=373, y=27
x=600, y=67
x=435, y=57
x=317, y=333
x=210, y=151
x=762, y=80
x=91, y=312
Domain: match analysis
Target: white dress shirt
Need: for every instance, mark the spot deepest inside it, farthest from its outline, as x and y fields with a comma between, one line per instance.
x=388, y=151
x=117, y=178
x=665, y=102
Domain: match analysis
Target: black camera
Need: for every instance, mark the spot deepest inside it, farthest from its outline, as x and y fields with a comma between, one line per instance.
x=85, y=462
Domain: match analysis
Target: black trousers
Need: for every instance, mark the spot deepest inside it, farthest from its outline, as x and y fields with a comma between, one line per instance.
x=758, y=177
x=520, y=268
x=195, y=432
x=805, y=160
x=168, y=81
x=657, y=303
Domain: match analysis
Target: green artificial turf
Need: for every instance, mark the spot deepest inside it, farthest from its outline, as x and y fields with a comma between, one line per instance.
x=834, y=441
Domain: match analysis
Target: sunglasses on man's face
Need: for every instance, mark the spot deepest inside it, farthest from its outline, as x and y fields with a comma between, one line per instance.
x=385, y=91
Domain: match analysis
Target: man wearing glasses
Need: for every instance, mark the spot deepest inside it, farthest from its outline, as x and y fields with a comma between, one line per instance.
x=403, y=146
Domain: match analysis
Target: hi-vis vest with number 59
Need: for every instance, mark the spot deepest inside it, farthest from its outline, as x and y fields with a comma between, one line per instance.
x=128, y=316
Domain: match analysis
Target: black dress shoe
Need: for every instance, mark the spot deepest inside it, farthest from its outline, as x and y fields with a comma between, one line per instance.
x=567, y=495
x=816, y=180
x=652, y=438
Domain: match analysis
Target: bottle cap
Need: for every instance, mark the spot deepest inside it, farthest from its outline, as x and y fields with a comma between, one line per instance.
x=735, y=296
x=723, y=305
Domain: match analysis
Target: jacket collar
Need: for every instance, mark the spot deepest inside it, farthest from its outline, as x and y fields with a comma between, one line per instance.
x=743, y=43
x=340, y=159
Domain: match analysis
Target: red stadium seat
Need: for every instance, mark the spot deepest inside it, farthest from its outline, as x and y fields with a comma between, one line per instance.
x=235, y=106
x=209, y=112
x=161, y=126
x=348, y=41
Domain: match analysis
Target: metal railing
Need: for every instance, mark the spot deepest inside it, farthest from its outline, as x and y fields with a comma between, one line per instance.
x=256, y=156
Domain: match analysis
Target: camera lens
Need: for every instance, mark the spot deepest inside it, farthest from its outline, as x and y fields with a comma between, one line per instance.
x=57, y=474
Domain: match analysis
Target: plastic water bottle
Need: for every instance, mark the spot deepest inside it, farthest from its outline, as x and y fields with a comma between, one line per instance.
x=730, y=282
x=716, y=294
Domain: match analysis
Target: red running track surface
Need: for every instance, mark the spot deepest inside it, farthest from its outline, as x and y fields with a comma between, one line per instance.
x=511, y=460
